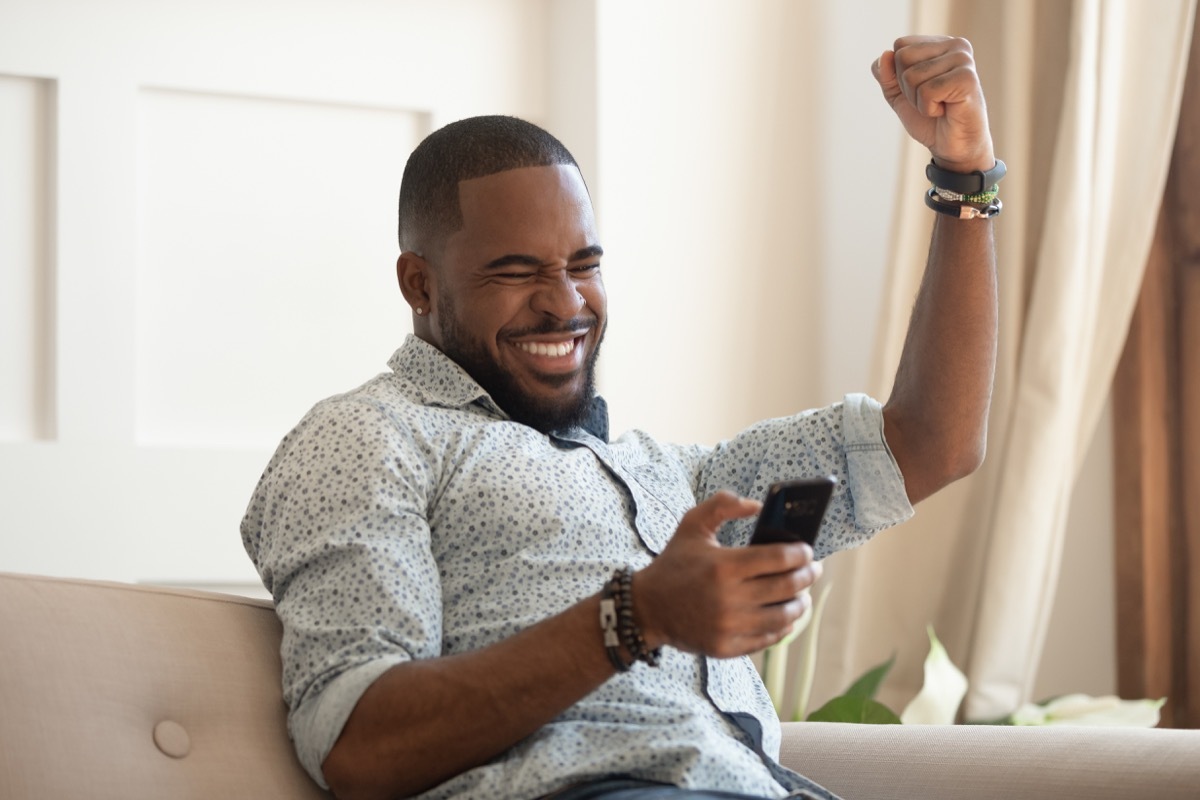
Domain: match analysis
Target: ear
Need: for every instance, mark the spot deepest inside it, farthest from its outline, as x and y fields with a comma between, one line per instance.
x=417, y=283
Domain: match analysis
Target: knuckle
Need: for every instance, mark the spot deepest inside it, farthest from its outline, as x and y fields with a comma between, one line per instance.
x=792, y=610
x=801, y=555
x=801, y=579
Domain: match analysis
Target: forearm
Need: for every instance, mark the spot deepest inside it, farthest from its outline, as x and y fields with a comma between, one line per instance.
x=936, y=417
x=423, y=722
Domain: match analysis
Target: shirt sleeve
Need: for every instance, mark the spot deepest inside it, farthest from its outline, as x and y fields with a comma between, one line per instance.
x=338, y=531
x=844, y=440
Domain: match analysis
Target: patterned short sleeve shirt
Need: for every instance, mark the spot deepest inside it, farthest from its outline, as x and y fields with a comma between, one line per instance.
x=411, y=519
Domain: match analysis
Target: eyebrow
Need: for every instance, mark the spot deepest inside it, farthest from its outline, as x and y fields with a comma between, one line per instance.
x=521, y=259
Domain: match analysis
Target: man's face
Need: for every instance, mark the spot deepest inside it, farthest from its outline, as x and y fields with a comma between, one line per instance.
x=519, y=300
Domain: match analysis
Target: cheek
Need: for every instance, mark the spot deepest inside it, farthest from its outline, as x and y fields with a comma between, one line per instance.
x=595, y=297
x=484, y=316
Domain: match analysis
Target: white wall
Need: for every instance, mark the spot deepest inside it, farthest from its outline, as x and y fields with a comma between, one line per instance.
x=198, y=243
x=196, y=216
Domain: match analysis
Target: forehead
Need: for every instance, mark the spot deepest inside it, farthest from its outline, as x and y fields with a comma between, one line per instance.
x=529, y=209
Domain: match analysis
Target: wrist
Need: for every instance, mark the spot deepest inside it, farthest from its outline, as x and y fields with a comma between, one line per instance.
x=643, y=614
x=624, y=638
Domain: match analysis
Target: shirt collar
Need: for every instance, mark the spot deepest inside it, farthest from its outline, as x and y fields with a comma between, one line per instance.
x=438, y=380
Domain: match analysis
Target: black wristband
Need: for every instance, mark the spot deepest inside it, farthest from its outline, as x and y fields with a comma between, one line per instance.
x=621, y=586
x=965, y=182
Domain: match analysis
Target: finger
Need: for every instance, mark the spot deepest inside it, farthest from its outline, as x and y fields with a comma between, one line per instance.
x=781, y=587
x=777, y=618
x=934, y=82
x=928, y=40
x=884, y=70
x=707, y=517
x=752, y=644
x=771, y=559
x=761, y=629
x=926, y=53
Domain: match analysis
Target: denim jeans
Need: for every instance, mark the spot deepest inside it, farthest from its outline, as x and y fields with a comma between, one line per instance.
x=631, y=789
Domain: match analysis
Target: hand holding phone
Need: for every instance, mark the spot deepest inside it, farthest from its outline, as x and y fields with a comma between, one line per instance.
x=793, y=510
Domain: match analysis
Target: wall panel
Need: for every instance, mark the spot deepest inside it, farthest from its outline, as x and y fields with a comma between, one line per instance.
x=26, y=267
x=266, y=247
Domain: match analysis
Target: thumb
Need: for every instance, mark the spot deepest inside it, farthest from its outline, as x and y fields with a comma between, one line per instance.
x=705, y=519
x=917, y=124
x=884, y=70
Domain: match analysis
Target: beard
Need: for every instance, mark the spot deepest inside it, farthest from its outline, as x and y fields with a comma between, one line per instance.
x=544, y=415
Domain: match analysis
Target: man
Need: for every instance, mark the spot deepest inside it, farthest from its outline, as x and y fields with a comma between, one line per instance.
x=484, y=597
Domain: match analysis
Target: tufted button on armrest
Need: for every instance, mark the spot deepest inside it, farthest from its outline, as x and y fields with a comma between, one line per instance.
x=172, y=739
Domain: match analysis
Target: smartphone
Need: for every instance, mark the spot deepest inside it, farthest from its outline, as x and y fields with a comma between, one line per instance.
x=793, y=510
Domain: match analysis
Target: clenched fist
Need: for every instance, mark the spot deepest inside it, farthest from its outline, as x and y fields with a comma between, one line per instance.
x=931, y=84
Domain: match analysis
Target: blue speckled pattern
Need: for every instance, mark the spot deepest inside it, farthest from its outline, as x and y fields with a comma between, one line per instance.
x=410, y=519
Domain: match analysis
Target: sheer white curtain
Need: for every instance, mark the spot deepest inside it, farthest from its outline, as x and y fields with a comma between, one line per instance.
x=1083, y=98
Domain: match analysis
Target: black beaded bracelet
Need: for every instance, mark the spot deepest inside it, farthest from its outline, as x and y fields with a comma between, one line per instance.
x=631, y=634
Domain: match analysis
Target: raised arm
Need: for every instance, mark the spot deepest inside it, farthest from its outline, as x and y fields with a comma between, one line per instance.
x=935, y=420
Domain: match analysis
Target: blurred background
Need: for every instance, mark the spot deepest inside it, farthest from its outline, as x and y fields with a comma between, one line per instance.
x=197, y=242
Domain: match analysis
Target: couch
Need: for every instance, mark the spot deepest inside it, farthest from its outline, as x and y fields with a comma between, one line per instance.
x=111, y=690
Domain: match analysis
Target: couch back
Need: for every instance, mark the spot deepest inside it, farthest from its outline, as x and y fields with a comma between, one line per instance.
x=117, y=691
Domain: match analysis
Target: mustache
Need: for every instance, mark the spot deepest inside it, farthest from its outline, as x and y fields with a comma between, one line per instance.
x=576, y=325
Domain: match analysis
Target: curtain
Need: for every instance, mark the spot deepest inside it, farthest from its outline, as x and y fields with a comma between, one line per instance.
x=1083, y=98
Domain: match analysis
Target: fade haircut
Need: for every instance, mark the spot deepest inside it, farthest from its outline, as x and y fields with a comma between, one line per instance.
x=470, y=148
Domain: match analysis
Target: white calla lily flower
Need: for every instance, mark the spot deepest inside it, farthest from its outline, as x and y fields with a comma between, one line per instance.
x=1082, y=709
x=945, y=686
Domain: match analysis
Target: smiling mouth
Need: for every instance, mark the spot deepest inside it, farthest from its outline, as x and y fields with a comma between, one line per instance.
x=549, y=349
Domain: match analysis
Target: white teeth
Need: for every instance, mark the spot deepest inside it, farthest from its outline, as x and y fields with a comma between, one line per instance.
x=548, y=348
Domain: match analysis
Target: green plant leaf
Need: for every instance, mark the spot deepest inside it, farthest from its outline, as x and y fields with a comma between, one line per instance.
x=855, y=708
x=868, y=684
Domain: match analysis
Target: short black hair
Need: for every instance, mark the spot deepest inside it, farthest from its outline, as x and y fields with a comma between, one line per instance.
x=470, y=148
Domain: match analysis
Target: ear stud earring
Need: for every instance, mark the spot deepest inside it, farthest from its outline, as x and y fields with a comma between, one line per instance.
x=420, y=311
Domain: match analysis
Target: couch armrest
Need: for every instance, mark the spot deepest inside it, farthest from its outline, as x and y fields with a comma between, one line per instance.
x=141, y=693
x=872, y=762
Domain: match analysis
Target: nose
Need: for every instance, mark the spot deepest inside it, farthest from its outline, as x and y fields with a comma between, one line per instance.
x=558, y=296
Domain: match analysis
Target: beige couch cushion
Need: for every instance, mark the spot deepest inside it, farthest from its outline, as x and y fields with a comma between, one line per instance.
x=995, y=762
x=117, y=691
